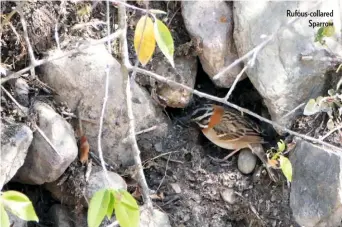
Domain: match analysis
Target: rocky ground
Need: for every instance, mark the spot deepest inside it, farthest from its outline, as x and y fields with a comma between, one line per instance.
x=191, y=188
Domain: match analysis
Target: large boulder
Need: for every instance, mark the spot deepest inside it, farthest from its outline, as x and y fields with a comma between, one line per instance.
x=43, y=163
x=81, y=78
x=15, y=141
x=282, y=79
x=316, y=198
x=211, y=23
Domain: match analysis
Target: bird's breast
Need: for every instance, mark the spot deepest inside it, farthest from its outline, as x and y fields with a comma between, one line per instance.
x=230, y=145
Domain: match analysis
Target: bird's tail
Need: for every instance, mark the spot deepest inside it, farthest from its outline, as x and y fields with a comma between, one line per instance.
x=258, y=150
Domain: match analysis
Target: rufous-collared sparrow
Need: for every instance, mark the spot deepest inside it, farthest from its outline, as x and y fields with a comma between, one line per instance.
x=229, y=129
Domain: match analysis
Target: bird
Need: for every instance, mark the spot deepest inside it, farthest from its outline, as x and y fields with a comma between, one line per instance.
x=229, y=129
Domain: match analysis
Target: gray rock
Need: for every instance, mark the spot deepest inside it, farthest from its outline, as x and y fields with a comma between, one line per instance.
x=315, y=196
x=60, y=216
x=97, y=181
x=158, y=219
x=228, y=195
x=65, y=192
x=185, y=72
x=15, y=141
x=42, y=163
x=21, y=91
x=282, y=79
x=211, y=22
x=82, y=76
x=246, y=161
x=15, y=221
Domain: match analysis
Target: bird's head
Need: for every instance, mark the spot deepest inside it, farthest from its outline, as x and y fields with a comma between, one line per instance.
x=202, y=115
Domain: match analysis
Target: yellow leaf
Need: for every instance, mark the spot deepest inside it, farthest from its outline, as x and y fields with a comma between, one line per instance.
x=144, y=40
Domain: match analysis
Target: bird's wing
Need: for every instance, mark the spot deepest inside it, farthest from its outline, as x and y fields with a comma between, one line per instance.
x=233, y=126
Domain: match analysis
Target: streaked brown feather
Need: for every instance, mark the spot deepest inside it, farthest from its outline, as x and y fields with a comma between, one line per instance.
x=230, y=125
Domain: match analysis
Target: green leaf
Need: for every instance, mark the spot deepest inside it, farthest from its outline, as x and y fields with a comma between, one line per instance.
x=164, y=40
x=98, y=207
x=20, y=205
x=128, y=199
x=311, y=107
x=329, y=30
x=110, y=205
x=157, y=11
x=4, y=220
x=319, y=35
x=126, y=216
x=281, y=146
x=286, y=167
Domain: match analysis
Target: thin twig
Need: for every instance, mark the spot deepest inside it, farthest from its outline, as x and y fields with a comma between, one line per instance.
x=81, y=118
x=237, y=79
x=92, y=23
x=123, y=3
x=146, y=130
x=222, y=100
x=57, y=36
x=338, y=127
x=18, y=74
x=23, y=109
x=136, y=152
x=28, y=43
x=104, y=104
x=238, y=61
x=294, y=110
x=25, y=112
x=165, y=173
x=159, y=156
x=252, y=208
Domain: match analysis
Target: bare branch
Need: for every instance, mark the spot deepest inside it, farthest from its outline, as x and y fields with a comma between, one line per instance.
x=25, y=111
x=235, y=82
x=104, y=104
x=222, y=100
x=165, y=173
x=136, y=152
x=238, y=61
x=337, y=128
x=28, y=43
x=18, y=74
x=294, y=110
x=146, y=130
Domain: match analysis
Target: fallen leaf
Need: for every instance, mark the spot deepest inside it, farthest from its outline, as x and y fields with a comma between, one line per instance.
x=84, y=150
x=273, y=163
x=223, y=19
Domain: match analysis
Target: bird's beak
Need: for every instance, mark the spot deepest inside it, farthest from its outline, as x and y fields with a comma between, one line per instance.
x=185, y=120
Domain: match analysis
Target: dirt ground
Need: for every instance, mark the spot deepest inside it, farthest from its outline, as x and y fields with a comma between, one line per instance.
x=187, y=183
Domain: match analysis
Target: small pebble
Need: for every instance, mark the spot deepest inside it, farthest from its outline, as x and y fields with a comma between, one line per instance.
x=228, y=195
x=246, y=161
x=273, y=198
x=176, y=187
x=158, y=147
x=186, y=218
